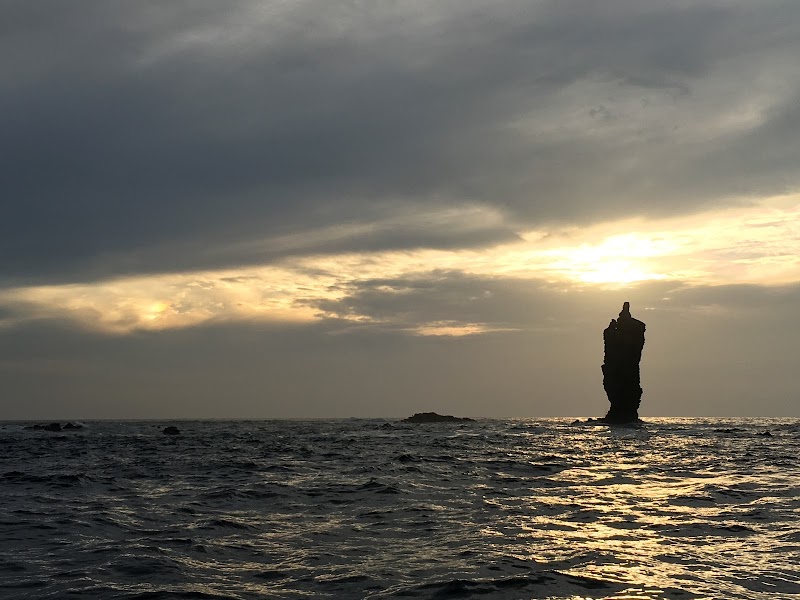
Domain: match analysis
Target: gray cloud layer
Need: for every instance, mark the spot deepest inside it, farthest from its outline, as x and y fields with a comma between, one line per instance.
x=140, y=137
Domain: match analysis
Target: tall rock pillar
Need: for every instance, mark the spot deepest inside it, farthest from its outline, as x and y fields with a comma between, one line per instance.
x=623, y=340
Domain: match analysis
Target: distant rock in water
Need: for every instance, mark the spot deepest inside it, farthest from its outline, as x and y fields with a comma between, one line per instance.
x=49, y=427
x=623, y=340
x=172, y=430
x=55, y=427
x=432, y=417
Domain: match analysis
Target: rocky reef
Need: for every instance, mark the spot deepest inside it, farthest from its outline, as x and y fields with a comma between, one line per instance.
x=432, y=417
x=55, y=426
x=623, y=340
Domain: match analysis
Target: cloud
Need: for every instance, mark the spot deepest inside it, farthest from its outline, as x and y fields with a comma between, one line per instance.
x=340, y=208
x=142, y=138
x=451, y=303
x=704, y=355
x=445, y=291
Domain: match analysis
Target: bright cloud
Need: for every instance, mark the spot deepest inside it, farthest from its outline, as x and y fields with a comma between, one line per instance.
x=753, y=243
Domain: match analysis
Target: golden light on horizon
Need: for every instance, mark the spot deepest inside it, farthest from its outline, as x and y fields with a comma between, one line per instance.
x=453, y=329
x=757, y=243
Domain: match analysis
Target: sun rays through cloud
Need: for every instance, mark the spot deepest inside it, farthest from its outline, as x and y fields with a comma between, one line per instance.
x=757, y=242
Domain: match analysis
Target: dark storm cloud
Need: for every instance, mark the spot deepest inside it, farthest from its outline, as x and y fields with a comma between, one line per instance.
x=143, y=136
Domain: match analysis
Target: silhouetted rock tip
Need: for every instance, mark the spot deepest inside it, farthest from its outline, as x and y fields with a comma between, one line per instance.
x=623, y=341
x=172, y=430
x=432, y=417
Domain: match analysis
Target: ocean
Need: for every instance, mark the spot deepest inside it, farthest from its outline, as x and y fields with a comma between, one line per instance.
x=511, y=509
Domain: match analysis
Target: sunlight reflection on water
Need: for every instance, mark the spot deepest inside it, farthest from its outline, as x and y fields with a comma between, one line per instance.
x=678, y=508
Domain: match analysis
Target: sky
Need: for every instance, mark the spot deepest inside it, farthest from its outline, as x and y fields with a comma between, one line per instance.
x=329, y=208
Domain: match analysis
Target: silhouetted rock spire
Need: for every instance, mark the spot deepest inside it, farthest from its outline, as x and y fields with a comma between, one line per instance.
x=623, y=340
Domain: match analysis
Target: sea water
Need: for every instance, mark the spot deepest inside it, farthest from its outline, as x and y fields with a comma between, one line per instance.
x=517, y=508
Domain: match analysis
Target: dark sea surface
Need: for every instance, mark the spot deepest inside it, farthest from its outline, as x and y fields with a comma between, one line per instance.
x=539, y=508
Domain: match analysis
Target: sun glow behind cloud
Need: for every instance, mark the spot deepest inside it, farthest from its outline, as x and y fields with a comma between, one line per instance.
x=619, y=259
x=756, y=243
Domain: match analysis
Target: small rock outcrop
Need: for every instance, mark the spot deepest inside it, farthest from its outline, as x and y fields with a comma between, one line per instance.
x=624, y=341
x=69, y=426
x=432, y=417
x=48, y=427
x=171, y=430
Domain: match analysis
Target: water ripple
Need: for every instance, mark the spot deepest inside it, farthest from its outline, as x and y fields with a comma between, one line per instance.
x=679, y=508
